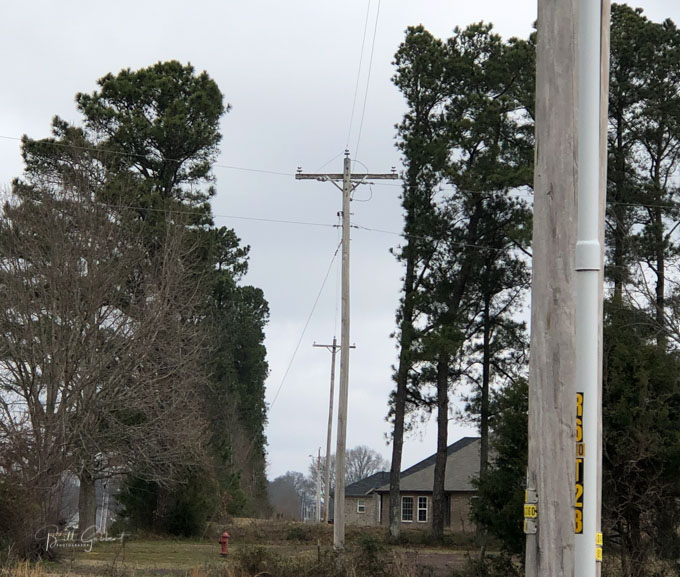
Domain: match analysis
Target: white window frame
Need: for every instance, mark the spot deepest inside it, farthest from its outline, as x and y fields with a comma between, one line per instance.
x=422, y=508
x=361, y=506
x=403, y=499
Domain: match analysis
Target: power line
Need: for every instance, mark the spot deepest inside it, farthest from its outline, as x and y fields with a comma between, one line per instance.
x=227, y=216
x=429, y=238
x=277, y=221
x=260, y=170
x=325, y=164
x=290, y=222
x=368, y=79
x=137, y=155
x=356, y=87
x=304, y=330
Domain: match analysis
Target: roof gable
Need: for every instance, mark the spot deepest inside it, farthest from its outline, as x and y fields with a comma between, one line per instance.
x=462, y=465
x=365, y=486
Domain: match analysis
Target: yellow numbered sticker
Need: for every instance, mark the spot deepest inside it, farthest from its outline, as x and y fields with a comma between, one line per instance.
x=598, y=554
x=598, y=539
x=530, y=511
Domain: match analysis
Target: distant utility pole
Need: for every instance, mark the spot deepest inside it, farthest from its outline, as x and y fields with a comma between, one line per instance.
x=327, y=492
x=318, y=486
x=550, y=490
x=349, y=183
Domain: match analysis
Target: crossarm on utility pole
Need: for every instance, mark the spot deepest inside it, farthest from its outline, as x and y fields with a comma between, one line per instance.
x=365, y=176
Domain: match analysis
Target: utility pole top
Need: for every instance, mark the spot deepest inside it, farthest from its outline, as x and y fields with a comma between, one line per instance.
x=357, y=178
x=339, y=176
x=333, y=346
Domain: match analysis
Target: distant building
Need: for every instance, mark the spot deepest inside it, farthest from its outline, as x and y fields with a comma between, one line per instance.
x=362, y=503
x=367, y=501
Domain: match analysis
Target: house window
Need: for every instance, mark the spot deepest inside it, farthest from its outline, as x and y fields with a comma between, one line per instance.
x=422, y=509
x=361, y=506
x=407, y=509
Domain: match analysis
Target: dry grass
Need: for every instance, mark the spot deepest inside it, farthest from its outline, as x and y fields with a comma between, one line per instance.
x=24, y=569
x=268, y=549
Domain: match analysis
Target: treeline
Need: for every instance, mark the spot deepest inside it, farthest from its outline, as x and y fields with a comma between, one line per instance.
x=130, y=348
x=293, y=495
x=467, y=144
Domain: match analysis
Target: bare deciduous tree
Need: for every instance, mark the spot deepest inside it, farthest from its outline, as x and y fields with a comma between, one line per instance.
x=100, y=342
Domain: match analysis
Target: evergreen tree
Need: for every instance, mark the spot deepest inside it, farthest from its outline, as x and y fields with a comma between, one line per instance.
x=474, y=107
x=150, y=137
x=420, y=68
x=500, y=491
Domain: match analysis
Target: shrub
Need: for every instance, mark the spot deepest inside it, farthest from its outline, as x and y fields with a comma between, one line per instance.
x=502, y=565
x=258, y=560
x=299, y=533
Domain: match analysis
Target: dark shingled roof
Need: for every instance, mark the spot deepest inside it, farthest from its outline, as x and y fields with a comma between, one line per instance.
x=462, y=465
x=365, y=486
x=430, y=461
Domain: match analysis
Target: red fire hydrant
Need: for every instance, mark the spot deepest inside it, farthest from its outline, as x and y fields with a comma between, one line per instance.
x=224, y=541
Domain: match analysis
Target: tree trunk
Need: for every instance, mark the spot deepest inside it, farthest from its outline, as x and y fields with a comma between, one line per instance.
x=637, y=549
x=659, y=253
x=405, y=342
x=619, y=271
x=486, y=379
x=623, y=550
x=660, y=257
x=438, y=489
x=87, y=502
x=484, y=410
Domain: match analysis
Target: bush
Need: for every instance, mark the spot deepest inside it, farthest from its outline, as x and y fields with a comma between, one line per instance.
x=258, y=560
x=182, y=511
x=371, y=555
x=501, y=565
x=299, y=533
x=20, y=522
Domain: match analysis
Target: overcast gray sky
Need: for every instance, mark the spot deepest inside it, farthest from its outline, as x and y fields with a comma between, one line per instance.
x=289, y=69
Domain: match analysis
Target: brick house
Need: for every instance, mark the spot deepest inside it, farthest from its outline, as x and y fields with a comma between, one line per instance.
x=367, y=501
x=362, y=503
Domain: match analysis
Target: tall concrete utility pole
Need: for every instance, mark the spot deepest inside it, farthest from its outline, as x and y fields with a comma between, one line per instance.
x=593, y=59
x=327, y=491
x=549, y=509
x=349, y=183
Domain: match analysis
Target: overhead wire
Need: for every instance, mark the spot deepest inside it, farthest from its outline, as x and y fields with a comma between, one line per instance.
x=119, y=206
x=304, y=329
x=356, y=86
x=325, y=164
x=428, y=238
x=280, y=173
x=246, y=218
x=177, y=211
x=368, y=79
x=138, y=155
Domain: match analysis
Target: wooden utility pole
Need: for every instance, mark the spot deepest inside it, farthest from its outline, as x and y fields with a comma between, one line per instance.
x=349, y=183
x=549, y=513
x=605, y=50
x=327, y=491
x=318, y=486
